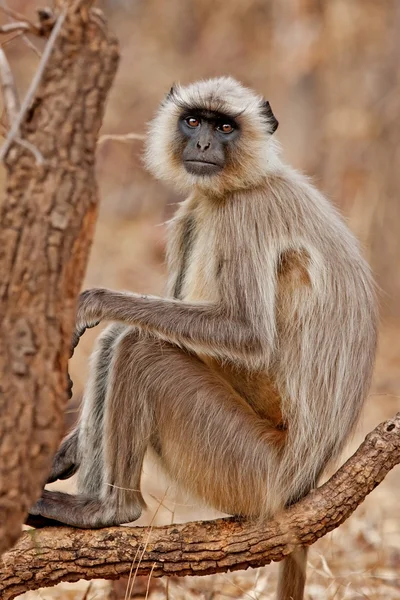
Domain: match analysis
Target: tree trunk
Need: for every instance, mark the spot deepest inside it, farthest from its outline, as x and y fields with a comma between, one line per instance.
x=46, y=227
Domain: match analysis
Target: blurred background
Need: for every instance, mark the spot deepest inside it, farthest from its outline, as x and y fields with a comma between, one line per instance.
x=330, y=70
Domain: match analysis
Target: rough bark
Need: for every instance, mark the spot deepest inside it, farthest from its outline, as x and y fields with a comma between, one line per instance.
x=47, y=556
x=46, y=226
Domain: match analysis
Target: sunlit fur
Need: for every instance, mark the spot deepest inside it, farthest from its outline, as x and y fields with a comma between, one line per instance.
x=248, y=378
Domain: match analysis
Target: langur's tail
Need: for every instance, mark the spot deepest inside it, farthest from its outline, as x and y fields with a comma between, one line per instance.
x=292, y=576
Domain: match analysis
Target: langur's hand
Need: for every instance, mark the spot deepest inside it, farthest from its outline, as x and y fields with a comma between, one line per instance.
x=89, y=313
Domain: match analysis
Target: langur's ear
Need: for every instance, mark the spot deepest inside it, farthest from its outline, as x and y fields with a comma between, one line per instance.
x=267, y=112
x=171, y=93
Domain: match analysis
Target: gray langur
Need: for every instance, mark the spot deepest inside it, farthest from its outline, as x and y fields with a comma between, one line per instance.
x=249, y=376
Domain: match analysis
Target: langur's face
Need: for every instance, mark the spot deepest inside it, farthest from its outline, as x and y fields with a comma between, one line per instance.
x=206, y=141
x=213, y=136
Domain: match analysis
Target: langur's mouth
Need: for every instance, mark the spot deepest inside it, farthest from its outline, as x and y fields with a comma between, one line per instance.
x=201, y=167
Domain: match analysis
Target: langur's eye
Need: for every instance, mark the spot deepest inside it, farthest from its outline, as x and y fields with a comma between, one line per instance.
x=192, y=122
x=225, y=128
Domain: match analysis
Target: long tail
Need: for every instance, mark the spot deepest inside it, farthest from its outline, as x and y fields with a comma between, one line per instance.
x=292, y=576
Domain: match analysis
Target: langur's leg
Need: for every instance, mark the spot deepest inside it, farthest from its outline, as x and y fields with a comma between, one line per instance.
x=207, y=436
x=110, y=469
x=87, y=435
x=91, y=423
x=210, y=439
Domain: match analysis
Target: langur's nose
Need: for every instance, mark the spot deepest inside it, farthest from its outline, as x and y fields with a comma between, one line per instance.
x=203, y=145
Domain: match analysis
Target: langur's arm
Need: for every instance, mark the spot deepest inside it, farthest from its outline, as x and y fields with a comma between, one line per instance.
x=240, y=328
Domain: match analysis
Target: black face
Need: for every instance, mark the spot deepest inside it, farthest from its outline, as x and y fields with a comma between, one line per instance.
x=207, y=135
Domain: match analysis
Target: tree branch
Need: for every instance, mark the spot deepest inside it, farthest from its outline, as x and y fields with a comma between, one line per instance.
x=45, y=557
x=15, y=26
x=9, y=91
x=16, y=124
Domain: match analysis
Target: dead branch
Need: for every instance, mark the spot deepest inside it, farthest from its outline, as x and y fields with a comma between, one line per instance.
x=46, y=224
x=31, y=45
x=16, y=26
x=15, y=126
x=20, y=25
x=124, y=138
x=32, y=148
x=19, y=21
x=47, y=556
x=10, y=12
x=20, y=35
x=9, y=91
x=14, y=16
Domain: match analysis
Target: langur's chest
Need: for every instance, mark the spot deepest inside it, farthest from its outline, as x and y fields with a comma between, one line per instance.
x=198, y=268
